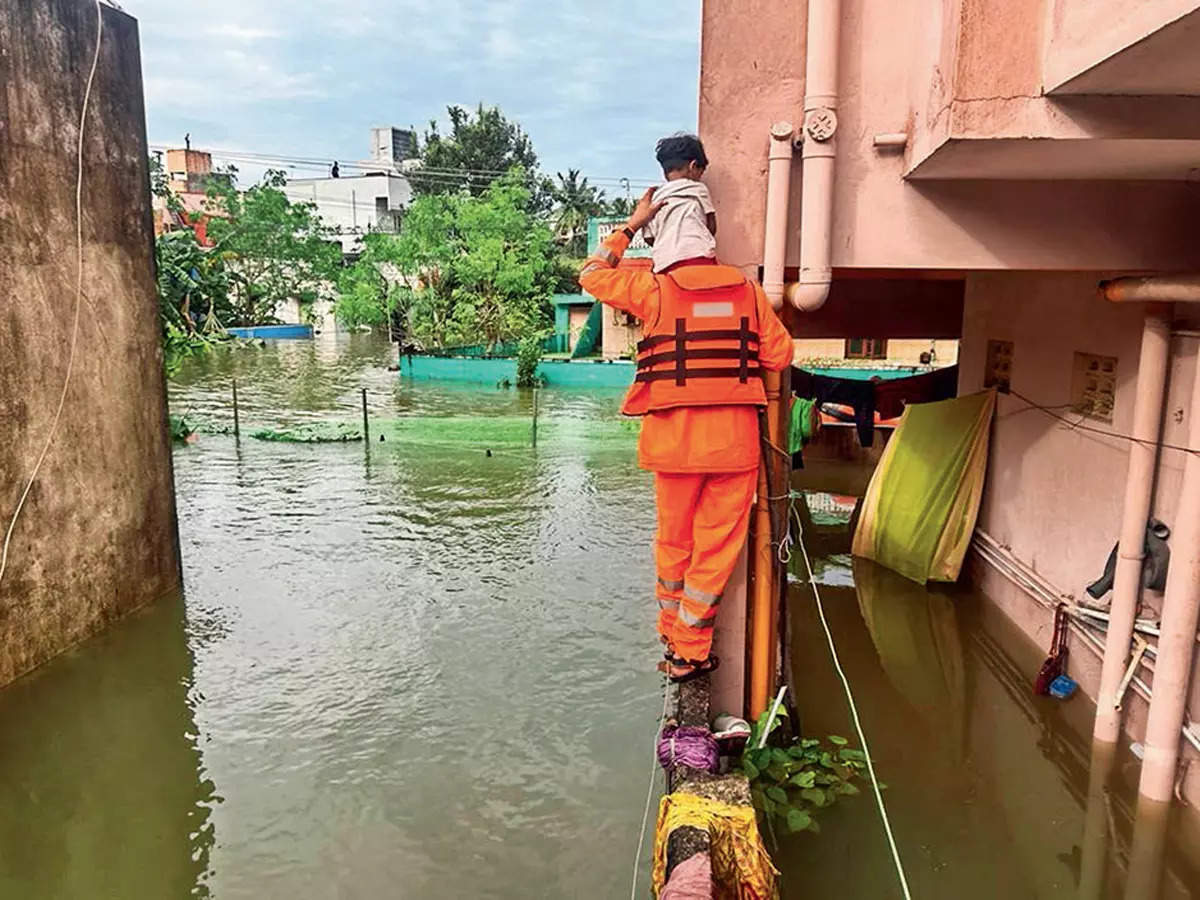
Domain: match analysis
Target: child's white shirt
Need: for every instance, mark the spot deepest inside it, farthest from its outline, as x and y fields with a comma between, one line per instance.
x=680, y=229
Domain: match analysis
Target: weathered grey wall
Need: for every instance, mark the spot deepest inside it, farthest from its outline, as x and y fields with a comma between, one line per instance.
x=98, y=535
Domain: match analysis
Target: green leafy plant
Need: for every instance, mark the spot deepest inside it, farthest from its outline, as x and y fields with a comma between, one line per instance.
x=181, y=429
x=529, y=354
x=789, y=784
x=465, y=269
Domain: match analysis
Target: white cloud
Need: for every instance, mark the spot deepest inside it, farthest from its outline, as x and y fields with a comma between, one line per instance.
x=243, y=33
x=308, y=78
x=503, y=45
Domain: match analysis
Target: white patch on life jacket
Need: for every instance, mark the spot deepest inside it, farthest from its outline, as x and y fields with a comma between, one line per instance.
x=712, y=310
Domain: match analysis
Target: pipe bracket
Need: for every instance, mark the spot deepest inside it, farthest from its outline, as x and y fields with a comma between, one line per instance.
x=821, y=124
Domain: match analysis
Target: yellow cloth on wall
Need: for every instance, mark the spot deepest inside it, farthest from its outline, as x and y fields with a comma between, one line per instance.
x=741, y=866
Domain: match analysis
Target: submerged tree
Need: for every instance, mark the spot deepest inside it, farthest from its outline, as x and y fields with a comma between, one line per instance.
x=465, y=269
x=276, y=250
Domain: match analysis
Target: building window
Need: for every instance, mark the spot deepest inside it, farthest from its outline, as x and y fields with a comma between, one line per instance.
x=866, y=348
x=1094, y=386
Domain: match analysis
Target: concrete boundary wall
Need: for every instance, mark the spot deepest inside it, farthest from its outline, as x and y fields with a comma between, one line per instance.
x=98, y=536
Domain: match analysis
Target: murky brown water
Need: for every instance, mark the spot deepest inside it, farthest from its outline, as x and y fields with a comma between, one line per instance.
x=988, y=784
x=418, y=672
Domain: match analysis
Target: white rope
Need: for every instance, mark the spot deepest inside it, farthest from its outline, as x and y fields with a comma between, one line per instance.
x=637, y=859
x=62, y=399
x=862, y=738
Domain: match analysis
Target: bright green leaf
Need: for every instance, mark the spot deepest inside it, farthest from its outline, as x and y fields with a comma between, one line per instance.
x=798, y=820
x=778, y=794
x=804, y=779
x=837, y=739
x=815, y=796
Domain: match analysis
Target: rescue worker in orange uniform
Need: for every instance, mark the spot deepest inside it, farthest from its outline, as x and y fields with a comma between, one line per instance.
x=708, y=333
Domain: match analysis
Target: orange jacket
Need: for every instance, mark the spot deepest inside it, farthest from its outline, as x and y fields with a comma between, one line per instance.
x=702, y=349
x=692, y=438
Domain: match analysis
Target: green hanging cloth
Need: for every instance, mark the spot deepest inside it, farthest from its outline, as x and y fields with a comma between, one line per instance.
x=805, y=423
x=921, y=505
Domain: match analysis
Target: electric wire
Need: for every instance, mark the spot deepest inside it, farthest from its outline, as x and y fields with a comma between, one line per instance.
x=1079, y=426
x=862, y=738
x=62, y=398
x=637, y=858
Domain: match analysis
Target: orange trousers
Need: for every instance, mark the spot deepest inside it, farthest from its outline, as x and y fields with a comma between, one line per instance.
x=702, y=525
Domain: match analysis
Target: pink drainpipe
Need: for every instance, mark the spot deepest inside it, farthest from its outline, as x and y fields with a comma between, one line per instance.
x=1181, y=602
x=1139, y=484
x=819, y=154
x=779, y=182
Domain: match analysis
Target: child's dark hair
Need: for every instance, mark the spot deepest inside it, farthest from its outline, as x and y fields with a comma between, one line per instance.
x=675, y=152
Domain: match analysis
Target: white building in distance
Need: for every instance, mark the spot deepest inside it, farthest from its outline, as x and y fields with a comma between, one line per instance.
x=371, y=198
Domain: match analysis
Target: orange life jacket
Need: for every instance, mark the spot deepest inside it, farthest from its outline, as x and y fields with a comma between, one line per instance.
x=703, y=348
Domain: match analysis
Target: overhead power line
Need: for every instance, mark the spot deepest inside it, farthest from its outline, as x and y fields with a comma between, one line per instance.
x=324, y=164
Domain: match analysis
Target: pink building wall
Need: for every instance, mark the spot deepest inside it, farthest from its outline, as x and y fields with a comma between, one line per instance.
x=1031, y=199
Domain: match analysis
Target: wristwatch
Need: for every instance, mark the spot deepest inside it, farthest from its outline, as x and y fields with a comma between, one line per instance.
x=629, y=232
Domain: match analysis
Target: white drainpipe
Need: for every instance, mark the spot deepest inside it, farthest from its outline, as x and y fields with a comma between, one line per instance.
x=779, y=181
x=818, y=155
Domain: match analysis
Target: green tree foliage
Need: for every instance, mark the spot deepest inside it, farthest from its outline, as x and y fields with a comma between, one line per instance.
x=619, y=206
x=575, y=202
x=265, y=249
x=370, y=291
x=465, y=269
x=276, y=250
x=479, y=148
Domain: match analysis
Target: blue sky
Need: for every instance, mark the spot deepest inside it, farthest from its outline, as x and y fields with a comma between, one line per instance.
x=594, y=84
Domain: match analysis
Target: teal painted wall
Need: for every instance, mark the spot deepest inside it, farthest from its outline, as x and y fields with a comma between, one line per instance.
x=558, y=373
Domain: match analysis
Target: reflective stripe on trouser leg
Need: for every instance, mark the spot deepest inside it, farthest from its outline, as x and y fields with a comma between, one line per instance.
x=676, y=496
x=719, y=527
x=668, y=606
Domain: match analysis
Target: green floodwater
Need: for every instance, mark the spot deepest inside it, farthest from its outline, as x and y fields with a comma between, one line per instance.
x=408, y=669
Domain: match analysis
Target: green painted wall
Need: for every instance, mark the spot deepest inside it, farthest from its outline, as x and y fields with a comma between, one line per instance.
x=558, y=373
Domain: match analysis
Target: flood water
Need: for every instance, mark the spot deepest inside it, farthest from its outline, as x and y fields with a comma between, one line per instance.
x=414, y=670
x=987, y=784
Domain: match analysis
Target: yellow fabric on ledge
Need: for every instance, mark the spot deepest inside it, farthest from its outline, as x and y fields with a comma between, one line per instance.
x=742, y=868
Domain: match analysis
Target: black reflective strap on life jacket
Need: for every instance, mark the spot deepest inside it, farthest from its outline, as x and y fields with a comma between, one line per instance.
x=681, y=353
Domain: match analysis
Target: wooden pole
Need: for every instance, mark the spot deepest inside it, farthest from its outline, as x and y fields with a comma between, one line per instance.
x=237, y=429
x=366, y=425
x=535, y=415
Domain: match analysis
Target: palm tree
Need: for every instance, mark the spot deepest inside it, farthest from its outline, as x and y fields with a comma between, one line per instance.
x=575, y=202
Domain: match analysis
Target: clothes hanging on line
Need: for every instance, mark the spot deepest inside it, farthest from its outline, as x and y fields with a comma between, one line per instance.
x=892, y=396
x=857, y=394
x=868, y=398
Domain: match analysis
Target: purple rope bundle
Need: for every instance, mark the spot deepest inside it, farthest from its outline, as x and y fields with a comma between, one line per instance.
x=688, y=745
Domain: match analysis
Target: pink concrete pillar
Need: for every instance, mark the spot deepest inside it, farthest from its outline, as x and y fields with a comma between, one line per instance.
x=1139, y=484
x=1177, y=642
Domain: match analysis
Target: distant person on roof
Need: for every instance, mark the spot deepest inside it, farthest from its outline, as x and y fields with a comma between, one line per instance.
x=708, y=334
